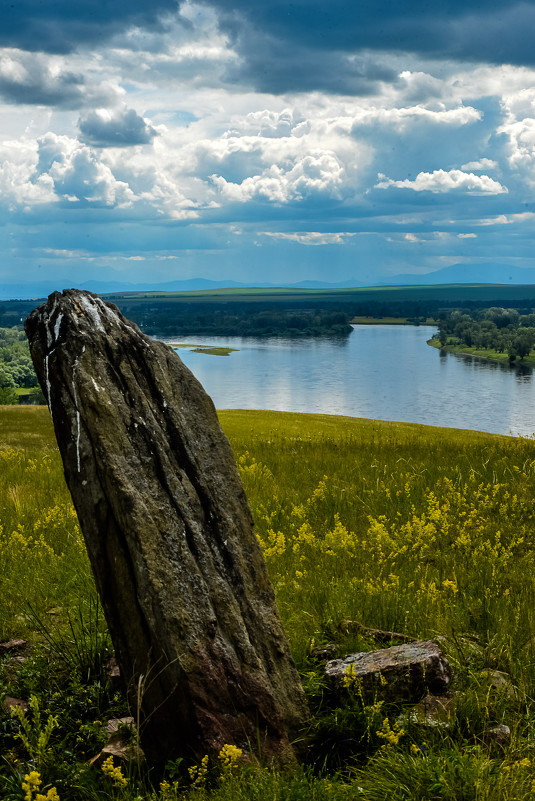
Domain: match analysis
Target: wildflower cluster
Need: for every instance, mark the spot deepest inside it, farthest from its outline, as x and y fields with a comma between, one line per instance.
x=31, y=786
x=114, y=773
x=199, y=773
x=390, y=735
x=447, y=554
x=229, y=759
x=41, y=546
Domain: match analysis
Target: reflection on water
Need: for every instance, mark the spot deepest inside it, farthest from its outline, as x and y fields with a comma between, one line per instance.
x=383, y=372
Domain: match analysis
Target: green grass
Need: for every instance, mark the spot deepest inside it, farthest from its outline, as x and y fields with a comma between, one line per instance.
x=425, y=531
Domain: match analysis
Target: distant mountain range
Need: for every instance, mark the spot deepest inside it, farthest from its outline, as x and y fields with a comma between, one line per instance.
x=468, y=274
x=489, y=273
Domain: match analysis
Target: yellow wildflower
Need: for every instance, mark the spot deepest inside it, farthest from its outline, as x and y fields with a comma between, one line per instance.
x=197, y=773
x=114, y=773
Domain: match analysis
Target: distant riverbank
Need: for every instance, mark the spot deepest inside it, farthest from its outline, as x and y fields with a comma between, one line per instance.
x=393, y=321
x=485, y=354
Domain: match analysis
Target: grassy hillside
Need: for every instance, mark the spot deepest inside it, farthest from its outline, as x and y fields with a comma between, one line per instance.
x=365, y=524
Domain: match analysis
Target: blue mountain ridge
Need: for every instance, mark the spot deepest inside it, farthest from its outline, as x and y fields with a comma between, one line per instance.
x=488, y=273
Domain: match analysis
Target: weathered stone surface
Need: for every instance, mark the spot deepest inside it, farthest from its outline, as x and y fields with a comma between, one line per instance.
x=182, y=579
x=14, y=703
x=497, y=735
x=122, y=744
x=400, y=673
x=12, y=645
x=433, y=711
x=500, y=681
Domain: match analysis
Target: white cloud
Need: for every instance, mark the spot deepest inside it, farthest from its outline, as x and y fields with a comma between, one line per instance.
x=401, y=117
x=19, y=183
x=45, y=80
x=78, y=174
x=316, y=173
x=120, y=127
x=482, y=164
x=506, y=219
x=446, y=181
x=467, y=236
x=311, y=237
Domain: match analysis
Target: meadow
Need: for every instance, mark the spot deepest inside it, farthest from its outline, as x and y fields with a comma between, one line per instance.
x=428, y=532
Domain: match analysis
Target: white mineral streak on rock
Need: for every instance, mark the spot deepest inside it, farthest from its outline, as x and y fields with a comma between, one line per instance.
x=50, y=339
x=92, y=311
x=47, y=379
x=57, y=326
x=75, y=398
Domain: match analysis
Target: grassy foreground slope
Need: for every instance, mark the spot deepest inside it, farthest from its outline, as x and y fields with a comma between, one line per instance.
x=419, y=530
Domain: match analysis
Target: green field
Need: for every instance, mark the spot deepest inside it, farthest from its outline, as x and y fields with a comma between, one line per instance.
x=365, y=524
x=438, y=292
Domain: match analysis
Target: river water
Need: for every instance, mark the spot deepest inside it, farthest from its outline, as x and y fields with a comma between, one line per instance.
x=384, y=372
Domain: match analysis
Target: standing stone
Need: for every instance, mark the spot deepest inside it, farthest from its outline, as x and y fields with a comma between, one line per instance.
x=181, y=576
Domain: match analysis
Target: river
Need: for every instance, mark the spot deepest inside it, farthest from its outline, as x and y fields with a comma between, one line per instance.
x=384, y=372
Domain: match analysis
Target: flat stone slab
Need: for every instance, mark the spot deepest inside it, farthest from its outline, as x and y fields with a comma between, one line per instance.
x=403, y=672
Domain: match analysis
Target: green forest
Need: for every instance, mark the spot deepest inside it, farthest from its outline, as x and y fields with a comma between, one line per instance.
x=498, y=330
x=16, y=368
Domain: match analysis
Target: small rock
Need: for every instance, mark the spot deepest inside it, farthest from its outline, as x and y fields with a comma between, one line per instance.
x=327, y=651
x=501, y=681
x=125, y=753
x=12, y=703
x=11, y=645
x=500, y=735
x=115, y=724
x=400, y=673
x=120, y=743
x=433, y=711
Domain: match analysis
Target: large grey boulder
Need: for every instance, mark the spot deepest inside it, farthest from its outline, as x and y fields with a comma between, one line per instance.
x=182, y=579
x=400, y=673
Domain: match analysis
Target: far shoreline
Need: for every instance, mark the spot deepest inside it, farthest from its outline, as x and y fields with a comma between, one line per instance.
x=478, y=353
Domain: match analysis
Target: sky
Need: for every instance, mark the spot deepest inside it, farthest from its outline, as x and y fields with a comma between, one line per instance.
x=264, y=142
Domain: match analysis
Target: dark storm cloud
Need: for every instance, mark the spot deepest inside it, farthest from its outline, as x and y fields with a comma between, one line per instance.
x=60, y=26
x=306, y=44
x=118, y=129
x=274, y=66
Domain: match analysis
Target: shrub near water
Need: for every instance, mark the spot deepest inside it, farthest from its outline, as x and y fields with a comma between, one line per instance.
x=400, y=527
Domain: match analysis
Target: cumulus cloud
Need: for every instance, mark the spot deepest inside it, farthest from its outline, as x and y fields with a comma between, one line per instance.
x=446, y=181
x=121, y=127
x=80, y=177
x=19, y=183
x=38, y=79
x=313, y=174
x=519, y=129
x=482, y=164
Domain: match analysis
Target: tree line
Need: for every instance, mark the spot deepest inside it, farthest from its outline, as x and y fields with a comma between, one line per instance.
x=499, y=329
x=16, y=368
